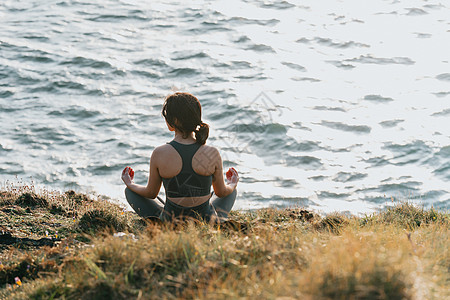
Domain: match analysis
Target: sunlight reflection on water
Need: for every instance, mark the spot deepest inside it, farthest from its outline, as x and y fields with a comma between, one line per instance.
x=358, y=110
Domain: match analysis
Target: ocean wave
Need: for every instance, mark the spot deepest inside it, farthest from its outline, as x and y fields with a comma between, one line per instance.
x=6, y=94
x=103, y=169
x=329, y=108
x=441, y=162
x=87, y=62
x=409, y=153
x=377, y=161
x=423, y=35
x=151, y=62
x=348, y=177
x=331, y=195
x=275, y=200
x=303, y=40
x=137, y=15
x=346, y=127
x=369, y=59
x=266, y=146
x=339, y=45
x=261, y=48
x=251, y=77
x=277, y=4
x=12, y=168
x=443, y=77
x=240, y=64
x=310, y=79
x=24, y=78
x=183, y=72
x=444, y=152
x=434, y=6
x=54, y=135
x=393, y=189
x=247, y=21
x=294, y=66
x=340, y=64
x=303, y=146
x=77, y=112
x=318, y=178
x=242, y=39
x=192, y=15
x=304, y=161
x=444, y=112
x=147, y=74
x=61, y=87
x=390, y=123
x=187, y=55
x=205, y=27
x=443, y=172
x=5, y=148
x=378, y=98
x=300, y=125
x=34, y=55
x=415, y=12
x=442, y=94
x=163, y=26
x=255, y=128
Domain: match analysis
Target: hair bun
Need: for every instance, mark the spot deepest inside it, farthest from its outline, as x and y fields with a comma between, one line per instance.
x=202, y=133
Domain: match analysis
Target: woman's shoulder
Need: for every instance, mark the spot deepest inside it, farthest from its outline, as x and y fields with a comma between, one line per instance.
x=209, y=148
x=209, y=152
x=163, y=149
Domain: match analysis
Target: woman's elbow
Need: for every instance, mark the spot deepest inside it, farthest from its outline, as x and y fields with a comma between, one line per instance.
x=151, y=195
x=221, y=193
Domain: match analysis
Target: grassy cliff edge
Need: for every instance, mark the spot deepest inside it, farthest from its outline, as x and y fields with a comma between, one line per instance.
x=71, y=246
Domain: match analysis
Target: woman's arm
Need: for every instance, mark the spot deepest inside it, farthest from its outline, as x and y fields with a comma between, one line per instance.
x=154, y=179
x=222, y=189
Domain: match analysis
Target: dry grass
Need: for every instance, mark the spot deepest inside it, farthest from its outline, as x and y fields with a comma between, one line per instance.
x=400, y=253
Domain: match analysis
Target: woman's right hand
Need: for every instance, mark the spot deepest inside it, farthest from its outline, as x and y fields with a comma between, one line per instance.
x=232, y=177
x=128, y=175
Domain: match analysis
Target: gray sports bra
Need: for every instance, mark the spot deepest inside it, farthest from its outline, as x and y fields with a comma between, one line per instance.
x=187, y=183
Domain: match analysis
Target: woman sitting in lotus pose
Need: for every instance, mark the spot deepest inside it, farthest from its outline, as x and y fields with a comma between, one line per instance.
x=187, y=168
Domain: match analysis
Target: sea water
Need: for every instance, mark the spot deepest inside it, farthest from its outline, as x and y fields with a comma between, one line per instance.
x=330, y=105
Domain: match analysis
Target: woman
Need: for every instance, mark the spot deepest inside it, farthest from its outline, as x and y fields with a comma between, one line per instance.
x=187, y=168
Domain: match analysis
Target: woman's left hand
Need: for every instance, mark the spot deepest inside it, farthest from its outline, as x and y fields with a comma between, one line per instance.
x=128, y=175
x=232, y=176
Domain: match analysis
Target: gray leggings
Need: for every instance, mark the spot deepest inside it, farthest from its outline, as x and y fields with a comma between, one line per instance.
x=146, y=207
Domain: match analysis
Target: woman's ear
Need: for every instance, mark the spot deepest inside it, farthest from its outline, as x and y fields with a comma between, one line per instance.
x=169, y=127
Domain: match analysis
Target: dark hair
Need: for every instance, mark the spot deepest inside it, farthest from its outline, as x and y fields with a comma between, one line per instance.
x=184, y=112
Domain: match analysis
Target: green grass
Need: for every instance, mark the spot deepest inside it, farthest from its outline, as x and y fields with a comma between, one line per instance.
x=398, y=253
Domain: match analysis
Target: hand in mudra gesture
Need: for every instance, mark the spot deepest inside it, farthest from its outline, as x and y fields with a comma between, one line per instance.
x=128, y=175
x=232, y=176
